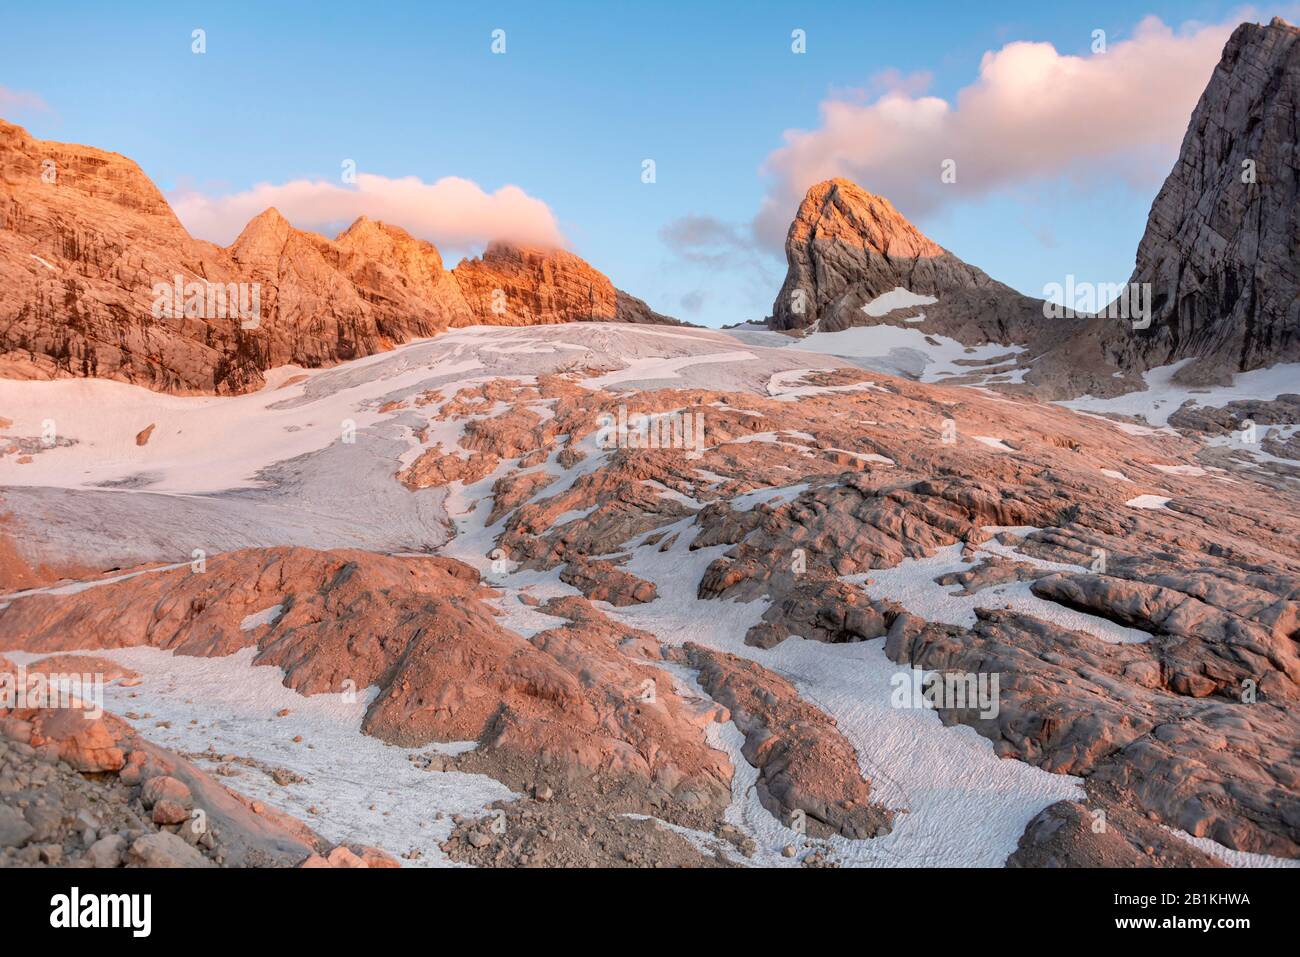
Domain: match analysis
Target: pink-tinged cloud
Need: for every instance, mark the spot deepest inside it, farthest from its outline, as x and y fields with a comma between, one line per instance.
x=20, y=101
x=452, y=213
x=1032, y=113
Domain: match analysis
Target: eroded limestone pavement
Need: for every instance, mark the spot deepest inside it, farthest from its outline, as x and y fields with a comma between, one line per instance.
x=592, y=719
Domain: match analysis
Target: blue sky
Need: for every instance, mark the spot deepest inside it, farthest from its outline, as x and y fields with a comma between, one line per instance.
x=584, y=93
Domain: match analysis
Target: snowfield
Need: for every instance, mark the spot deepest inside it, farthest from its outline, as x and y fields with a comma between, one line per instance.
x=310, y=460
x=1162, y=396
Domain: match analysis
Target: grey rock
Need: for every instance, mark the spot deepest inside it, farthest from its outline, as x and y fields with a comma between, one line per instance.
x=46, y=822
x=14, y=830
x=106, y=852
x=1220, y=250
x=164, y=849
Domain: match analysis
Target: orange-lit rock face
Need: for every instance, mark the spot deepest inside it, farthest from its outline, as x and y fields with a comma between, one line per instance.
x=701, y=632
x=513, y=285
x=846, y=246
x=517, y=286
x=84, y=237
x=88, y=244
x=838, y=210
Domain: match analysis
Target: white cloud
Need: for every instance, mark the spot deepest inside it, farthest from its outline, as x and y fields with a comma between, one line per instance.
x=1031, y=113
x=452, y=213
x=20, y=101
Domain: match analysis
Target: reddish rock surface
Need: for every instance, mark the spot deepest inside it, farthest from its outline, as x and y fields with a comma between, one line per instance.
x=85, y=743
x=603, y=581
x=521, y=286
x=1150, y=651
x=439, y=467
x=446, y=670
x=85, y=237
x=804, y=763
x=846, y=247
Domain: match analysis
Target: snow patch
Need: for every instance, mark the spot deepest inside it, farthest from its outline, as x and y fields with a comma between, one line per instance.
x=267, y=616
x=1162, y=397
x=896, y=298
x=1229, y=856
x=1148, y=501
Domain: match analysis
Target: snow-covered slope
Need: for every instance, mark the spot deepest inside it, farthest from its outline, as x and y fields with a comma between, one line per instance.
x=895, y=498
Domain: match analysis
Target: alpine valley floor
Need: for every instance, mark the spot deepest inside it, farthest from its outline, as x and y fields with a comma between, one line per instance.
x=419, y=606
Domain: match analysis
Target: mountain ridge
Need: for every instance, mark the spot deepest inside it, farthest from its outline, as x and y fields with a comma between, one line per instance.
x=1220, y=254
x=88, y=243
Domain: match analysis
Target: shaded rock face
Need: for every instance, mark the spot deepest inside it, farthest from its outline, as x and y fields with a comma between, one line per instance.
x=1228, y=418
x=1222, y=252
x=85, y=238
x=860, y=522
x=1119, y=716
x=846, y=247
x=603, y=581
x=1068, y=834
x=821, y=610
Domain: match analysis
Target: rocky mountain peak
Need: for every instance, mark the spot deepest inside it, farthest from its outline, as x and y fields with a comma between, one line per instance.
x=510, y=254
x=269, y=218
x=84, y=246
x=511, y=284
x=390, y=245
x=268, y=229
x=516, y=285
x=366, y=232
x=839, y=210
x=1222, y=244
x=846, y=247
x=69, y=172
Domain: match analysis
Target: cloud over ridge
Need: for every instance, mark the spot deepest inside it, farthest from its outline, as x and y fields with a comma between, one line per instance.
x=452, y=213
x=1031, y=113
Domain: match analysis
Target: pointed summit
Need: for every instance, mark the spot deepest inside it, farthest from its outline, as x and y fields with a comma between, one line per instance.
x=263, y=235
x=846, y=247
x=268, y=219
x=840, y=209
